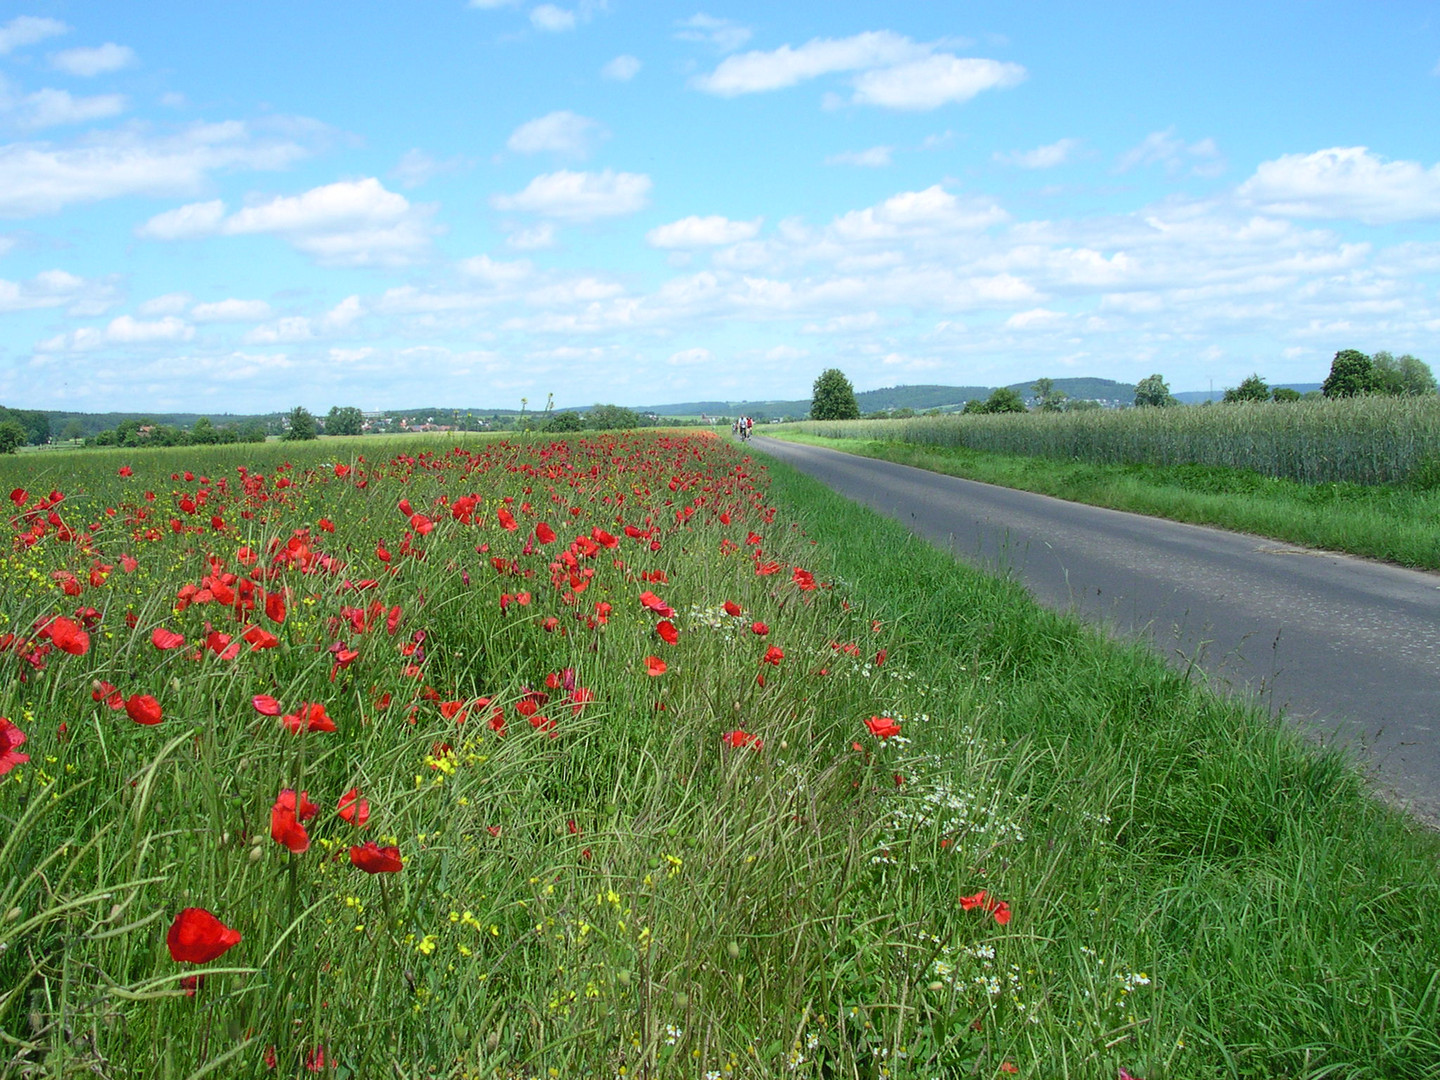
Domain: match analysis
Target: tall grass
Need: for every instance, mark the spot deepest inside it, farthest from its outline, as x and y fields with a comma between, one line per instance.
x=1366, y=440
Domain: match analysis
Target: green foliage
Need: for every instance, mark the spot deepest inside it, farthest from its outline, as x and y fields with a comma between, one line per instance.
x=12, y=436
x=613, y=418
x=1284, y=393
x=34, y=423
x=1351, y=373
x=301, y=426
x=1153, y=392
x=567, y=421
x=1047, y=398
x=833, y=398
x=1003, y=400
x=1403, y=376
x=1253, y=388
x=344, y=420
x=203, y=432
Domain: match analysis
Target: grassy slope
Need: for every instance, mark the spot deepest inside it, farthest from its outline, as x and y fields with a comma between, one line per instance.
x=1292, y=921
x=1389, y=523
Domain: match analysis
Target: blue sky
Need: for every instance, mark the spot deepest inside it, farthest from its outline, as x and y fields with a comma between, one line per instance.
x=237, y=208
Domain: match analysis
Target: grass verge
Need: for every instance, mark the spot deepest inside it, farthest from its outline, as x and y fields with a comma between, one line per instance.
x=1393, y=523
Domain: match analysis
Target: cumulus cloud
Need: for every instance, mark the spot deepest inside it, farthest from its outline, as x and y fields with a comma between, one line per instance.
x=711, y=231
x=552, y=19
x=47, y=289
x=1042, y=157
x=125, y=330
x=100, y=60
x=282, y=331
x=622, y=69
x=27, y=30
x=1345, y=182
x=494, y=272
x=169, y=304
x=231, y=311
x=579, y=196
x=721, y=34
x=893, y=71
x=38, y=178
x=912, y=212
x=877, y=157
x=563, y=132
x=1035, y=317
x=417, y=167
x=350, y=223
x=535, y=238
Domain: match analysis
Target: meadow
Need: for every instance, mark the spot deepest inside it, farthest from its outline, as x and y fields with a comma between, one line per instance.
x=632, y=756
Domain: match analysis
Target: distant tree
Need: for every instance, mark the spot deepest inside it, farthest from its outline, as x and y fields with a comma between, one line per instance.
x=203, y=432
x=252, y=431
x=1351, y=373
x=833, y=398
x=344, y=420
x=1047, y=398
x=1081, y=405
x=1004, y=400
x=12, y=436
x=1407, y=376
x=1284, y=393
x=1152, y=391
x=612, y=418
x=302, y=425
x=566, y=421
x=973, y=406
x=73, y=430
x=1254, y=388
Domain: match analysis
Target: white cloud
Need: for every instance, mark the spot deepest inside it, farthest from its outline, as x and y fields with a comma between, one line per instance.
x=47, y=289
x=934, y=81
x=27, y=30
x=344, y=314
x=579, y=196
x=38, y=178
x=722, y=34
x=169, y=304
x=125, y=330
x=691, y=357
x=622, y=69
x=912, y=212
x=288, y=330
x=1042, y=157
x=1035, y=317
x=877, y=157
x=492, y=272
x=97, y=61
x=231, y=311
x=1165, y=149
x=564, y=133
x=551, y=19
x=536, y=238
x=350, y=223
x=53, y=108
x=1345, y=182
x=894, y=71
x=708, y=231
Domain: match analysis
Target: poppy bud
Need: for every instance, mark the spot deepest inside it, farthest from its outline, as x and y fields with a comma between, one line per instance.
x=733, y=950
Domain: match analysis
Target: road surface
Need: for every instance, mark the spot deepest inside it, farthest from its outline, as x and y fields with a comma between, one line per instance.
x=1345, y=647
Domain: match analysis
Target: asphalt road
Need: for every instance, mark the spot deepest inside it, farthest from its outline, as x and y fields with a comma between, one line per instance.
x=1347, y=648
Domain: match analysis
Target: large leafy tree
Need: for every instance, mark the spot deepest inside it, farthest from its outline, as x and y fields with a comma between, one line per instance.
x=1405, y=376
x=833, y=398
x=1153, y=391
x=12, y=436
x=1047, y=398
x=1253, y=388
x=613, y=418
x=344, y=420
x=1351, y=373
x=1002, y=400
x=301, y=426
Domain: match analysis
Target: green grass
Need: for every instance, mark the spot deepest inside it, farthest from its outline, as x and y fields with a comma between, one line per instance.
x=1195, y=892
x=1395, y=523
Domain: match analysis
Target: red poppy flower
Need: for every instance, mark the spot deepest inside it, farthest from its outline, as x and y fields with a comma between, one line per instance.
x=376, y=860
x=286, y=816
x=654, y=666
x=733, y=609
x=143, y=709
x=266, y=705
x=68, y=637
x=758, y=627
x=655, y=604
x=11, y=739
x=987, y=903
x=354, y=808
x=544, y=533
x=126, y=470
x=773, y=655
x=100, y=690
x=882, y=727
x=163, y=638
x=275, y=606
x=668, y=634
x=197, y=937
x=259, y=638
x=309, y=717
x=739, y=738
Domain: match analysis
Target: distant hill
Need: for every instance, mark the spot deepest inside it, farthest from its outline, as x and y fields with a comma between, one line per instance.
x=1197, y=397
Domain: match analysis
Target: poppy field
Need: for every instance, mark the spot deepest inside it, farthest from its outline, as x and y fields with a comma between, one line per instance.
x=596, y=757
